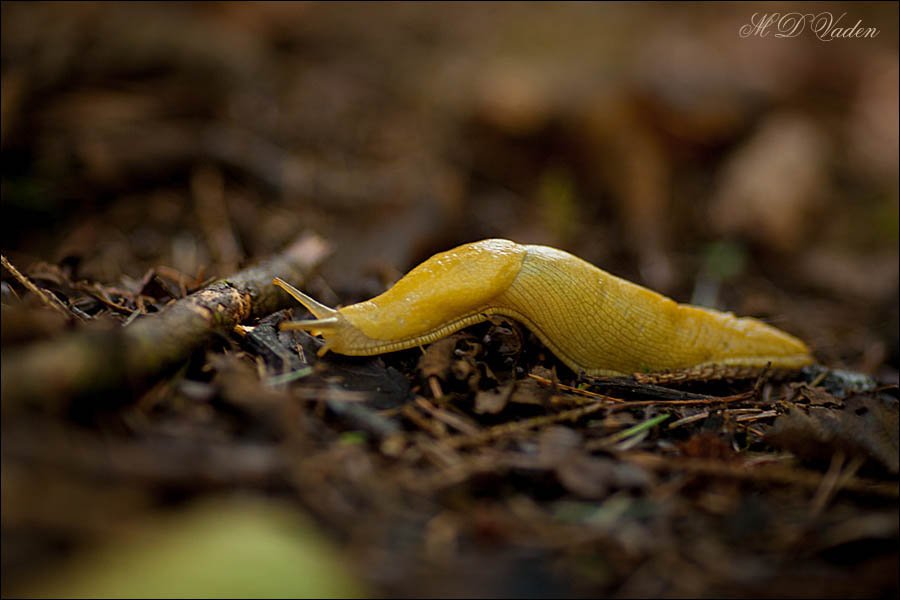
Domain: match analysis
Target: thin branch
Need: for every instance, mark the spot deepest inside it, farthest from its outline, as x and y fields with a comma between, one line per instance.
x=516, y=427
x=97, y=365
x=781, y=475
x=47, y=298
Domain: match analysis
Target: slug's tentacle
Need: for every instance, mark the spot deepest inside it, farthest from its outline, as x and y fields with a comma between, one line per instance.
x=594, y=322
x=320, y=324
x=328, y=322
x=314, y=306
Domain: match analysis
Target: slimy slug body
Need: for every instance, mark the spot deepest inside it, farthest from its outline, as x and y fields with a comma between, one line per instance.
x=595, y=322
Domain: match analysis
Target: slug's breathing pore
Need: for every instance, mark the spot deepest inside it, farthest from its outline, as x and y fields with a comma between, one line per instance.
x=595, y=322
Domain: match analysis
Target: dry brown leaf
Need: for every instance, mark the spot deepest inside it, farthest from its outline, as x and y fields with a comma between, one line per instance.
x=435, y=362
x=867, y=426
x=493, y=401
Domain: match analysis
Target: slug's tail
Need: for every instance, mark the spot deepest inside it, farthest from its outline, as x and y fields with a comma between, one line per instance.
x=322, y=312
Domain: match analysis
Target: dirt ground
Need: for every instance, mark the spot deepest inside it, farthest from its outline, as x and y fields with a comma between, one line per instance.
x=162, y=162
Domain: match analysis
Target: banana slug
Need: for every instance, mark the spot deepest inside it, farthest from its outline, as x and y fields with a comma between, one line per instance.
x=594, y=322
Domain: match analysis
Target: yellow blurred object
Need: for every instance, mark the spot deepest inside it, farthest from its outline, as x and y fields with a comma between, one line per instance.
x=215, y=549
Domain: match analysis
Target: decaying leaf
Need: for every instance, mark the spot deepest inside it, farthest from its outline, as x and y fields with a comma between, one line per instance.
x=436, y=360
x=582, y=474
x=493, y=401
x=866, y=425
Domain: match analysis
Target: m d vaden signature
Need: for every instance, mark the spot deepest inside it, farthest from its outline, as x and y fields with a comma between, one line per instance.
x=823, y=25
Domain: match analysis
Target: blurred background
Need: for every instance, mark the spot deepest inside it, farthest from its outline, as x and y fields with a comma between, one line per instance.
x=655, y=142
x=753, y=174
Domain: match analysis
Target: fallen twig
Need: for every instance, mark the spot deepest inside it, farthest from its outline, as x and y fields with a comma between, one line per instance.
x=89, y=365
x=515, y=427
x=46, y=297
x=790, y=476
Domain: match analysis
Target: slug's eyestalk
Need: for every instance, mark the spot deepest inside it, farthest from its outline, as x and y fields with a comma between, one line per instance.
x=328, y=322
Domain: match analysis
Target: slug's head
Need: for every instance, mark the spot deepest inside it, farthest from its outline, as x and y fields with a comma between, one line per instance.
x=340, y=335
x=443, y=294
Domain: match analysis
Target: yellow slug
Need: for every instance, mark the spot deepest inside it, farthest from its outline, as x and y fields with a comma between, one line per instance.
x=595, y=322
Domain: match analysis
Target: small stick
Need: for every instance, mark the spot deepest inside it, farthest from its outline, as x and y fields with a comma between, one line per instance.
x=574, y=390
x=47, y=298
x=743, y=396
x=523, y=425
x=447, y=418
x=91, y=365
x=436, y=392
x=742, y=472
x=436, y=428
x=684, y=421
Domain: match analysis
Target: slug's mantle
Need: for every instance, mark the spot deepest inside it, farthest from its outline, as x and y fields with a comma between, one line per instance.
x=595, y=322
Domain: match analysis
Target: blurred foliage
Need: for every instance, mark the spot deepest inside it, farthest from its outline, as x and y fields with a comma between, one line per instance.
x=725, y=260
x=214, y=549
